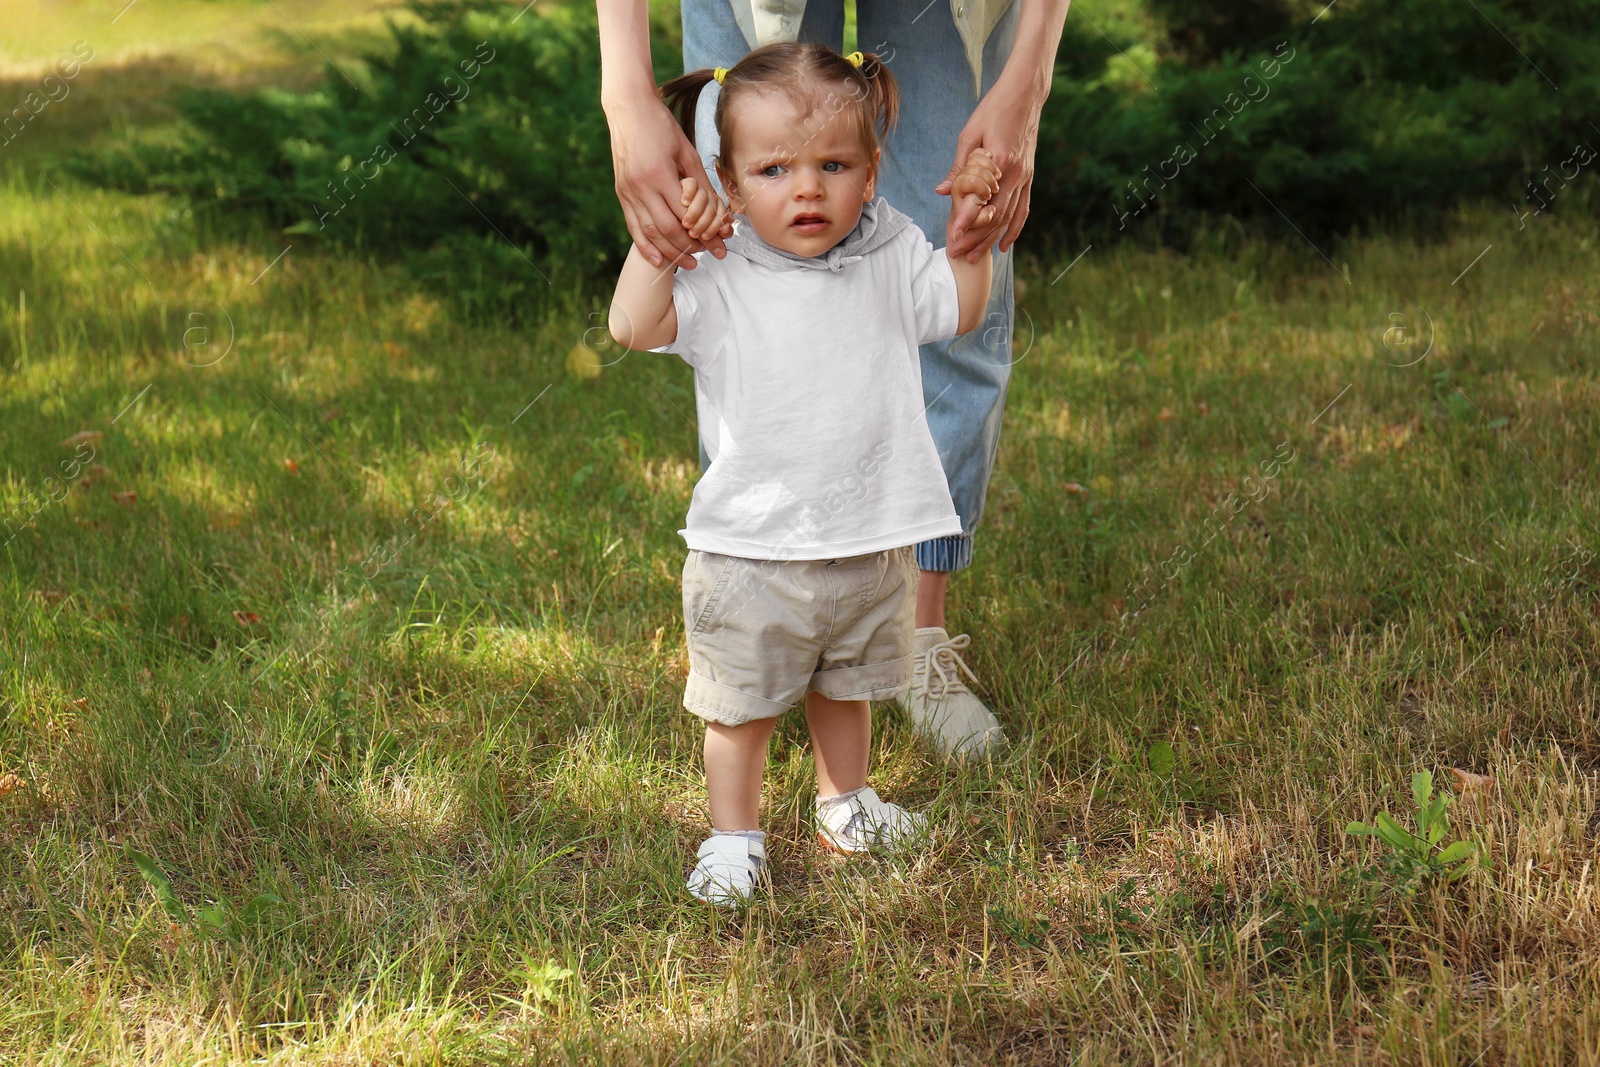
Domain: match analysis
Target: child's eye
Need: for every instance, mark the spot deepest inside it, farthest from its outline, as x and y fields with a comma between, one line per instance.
x=832, y=163
x=770, y=171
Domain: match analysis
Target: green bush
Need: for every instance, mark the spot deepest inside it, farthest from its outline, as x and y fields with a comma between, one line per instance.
x=1203, y=33
x=477, y=141
x=1374, y=112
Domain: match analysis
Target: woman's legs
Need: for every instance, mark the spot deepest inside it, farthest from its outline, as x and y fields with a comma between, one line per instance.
x=964, y=380
x=931, y=588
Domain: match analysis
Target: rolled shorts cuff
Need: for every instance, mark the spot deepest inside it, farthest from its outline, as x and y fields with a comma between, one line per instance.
x=868, y=681
x=951, y=553
x=730, y=707
x=719, y=703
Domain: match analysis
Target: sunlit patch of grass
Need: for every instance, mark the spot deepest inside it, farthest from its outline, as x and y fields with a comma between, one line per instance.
x=148, y=27
x=412, y=803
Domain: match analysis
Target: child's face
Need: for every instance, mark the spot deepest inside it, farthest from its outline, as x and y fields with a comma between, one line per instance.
x=799, y=176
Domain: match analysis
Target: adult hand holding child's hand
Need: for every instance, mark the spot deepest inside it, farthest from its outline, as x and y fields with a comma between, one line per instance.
x=649, y=152
x=704, y=213
x=976, y=182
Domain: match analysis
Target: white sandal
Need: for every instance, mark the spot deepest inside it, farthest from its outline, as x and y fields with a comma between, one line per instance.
x=867, y=823
x=729, y=869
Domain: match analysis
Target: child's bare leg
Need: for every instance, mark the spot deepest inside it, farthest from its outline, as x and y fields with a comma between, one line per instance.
x=841, y=739
x=736, y=756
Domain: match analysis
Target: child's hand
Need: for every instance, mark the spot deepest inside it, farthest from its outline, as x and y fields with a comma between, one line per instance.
x=704, y=213
x=978, y=178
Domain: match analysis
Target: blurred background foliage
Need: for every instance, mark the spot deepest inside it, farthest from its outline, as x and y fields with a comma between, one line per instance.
x=1164, y=118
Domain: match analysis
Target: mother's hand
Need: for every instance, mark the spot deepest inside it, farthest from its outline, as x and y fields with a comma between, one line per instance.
x=1006, y=122
x=650, y=157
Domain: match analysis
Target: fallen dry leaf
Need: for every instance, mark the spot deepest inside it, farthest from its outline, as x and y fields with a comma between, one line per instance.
x=584, y=362
x=49, y=596
x=1166, y=415
x=291, y=466
x=246, y=618
x=1397, y=435
x=1468, y=782
x=1075, y=488
x=179, y=627
x=82, y=437
x=10, y=783
x=125, y=499
x=98, y=472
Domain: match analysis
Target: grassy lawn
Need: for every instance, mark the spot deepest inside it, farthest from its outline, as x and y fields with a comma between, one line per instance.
x=359, y=626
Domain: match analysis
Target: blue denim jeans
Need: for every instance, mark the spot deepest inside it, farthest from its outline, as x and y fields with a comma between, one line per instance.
x=964, y=380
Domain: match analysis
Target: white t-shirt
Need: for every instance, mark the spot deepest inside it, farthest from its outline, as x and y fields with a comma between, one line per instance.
x=808, y=386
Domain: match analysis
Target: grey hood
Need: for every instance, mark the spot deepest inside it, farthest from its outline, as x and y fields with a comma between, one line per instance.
x=880, y=221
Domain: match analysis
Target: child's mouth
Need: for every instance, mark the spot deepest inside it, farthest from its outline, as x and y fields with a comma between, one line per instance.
x=809, y=223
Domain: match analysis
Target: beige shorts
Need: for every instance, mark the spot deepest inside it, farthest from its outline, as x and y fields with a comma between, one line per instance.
x=762, y=633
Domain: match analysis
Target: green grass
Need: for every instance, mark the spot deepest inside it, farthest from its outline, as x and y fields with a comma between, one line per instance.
x=472, y=772
x=134, y=59
x=237, y=34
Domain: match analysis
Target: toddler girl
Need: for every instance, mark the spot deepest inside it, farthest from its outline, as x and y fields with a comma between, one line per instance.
x=800, y=579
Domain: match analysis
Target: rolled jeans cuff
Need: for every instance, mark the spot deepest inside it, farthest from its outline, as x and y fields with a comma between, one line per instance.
x=945, y=553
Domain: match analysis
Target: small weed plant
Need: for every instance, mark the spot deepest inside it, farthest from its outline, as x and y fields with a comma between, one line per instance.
x=222, y=919
x=1415, y=859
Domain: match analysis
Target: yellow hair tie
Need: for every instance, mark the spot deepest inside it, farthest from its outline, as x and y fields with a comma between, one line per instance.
x=719, y=74
x=856, y=59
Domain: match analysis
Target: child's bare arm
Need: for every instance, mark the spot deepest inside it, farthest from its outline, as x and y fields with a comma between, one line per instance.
x=979, y=179
x=642, y=314
x=972, y=285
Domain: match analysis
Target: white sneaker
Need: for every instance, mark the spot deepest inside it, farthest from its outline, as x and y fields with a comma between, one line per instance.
x=728, y=869
x=866, y=822
x=942, y=708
